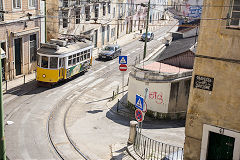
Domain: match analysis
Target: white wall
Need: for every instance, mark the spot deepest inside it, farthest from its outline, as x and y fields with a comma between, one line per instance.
x=158, y=97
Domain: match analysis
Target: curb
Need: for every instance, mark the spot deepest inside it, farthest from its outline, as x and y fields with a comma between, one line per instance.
x=132, y=153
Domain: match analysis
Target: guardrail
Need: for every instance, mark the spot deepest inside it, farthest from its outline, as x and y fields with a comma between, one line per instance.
x=147, y=148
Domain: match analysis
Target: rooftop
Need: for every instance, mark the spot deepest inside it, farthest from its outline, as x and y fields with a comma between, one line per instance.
x=165, y=68
x=176, y=47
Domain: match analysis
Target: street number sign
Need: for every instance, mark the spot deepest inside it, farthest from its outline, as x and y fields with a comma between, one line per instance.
x=122, y=59
x=139, y=115
x=122, y=67
x=139, y=102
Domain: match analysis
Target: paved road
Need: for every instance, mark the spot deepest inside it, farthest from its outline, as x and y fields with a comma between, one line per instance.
x=91, y=126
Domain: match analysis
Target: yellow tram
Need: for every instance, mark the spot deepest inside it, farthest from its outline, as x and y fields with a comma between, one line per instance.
x=59, y=60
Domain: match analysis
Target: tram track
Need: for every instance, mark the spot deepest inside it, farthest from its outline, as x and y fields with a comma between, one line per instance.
x=53, y=115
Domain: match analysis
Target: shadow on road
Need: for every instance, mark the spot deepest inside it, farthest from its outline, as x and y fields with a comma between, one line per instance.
x=123, y=115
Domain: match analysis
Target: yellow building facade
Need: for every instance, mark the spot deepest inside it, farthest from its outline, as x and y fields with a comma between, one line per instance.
x=213, y=118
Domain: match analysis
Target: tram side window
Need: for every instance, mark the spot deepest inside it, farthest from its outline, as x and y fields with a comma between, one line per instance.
x=69, y=60
x=60, y=63
x=81, y=57
x=85, y=55
x=78, y=57
x=53, y=62
x=44, y=62
x=88, y=55
x=74, y=59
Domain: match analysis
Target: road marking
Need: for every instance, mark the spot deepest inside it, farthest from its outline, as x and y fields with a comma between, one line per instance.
x=85, y=81
x=52, y=93
x=138, y=49
x=111, y=85
x=112, y=62
x=96, y=82
x=97, y=70
x=133, y=51
x=128, y=54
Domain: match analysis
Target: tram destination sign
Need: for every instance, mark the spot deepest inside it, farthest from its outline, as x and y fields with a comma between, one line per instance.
x=202, y=82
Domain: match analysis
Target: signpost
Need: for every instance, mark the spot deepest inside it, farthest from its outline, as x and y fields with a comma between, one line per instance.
x=139, y=115
x=123, y=68
x=139, y=102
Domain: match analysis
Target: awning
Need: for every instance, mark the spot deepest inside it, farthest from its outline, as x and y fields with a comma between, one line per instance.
x=3, y=53
x=24, y=32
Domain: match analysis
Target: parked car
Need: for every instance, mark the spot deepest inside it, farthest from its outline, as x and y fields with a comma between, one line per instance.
x=110, y=52
x=178, y=155
x=150, y=36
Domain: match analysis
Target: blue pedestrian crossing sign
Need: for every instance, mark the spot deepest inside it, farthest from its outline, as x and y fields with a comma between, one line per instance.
x=122, y=59
x=139, y=102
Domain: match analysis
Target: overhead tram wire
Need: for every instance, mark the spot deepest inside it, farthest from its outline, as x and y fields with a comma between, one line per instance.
x=166, y=5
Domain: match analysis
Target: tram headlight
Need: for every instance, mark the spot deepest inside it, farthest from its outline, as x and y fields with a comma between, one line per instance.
x=43, y=75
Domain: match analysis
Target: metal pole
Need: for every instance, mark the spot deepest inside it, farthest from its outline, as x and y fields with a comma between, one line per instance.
x=2, y=140
x=122, y=84
x=145, y=45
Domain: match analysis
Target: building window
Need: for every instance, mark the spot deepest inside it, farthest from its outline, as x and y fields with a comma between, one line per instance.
x=65, y=19
x=87, y=12
x=104, y=9
x=77, y=17
x=33, y=48
x=112, y=32
x=109, y=8
x=114, y=12
x=219, y=143
x=65, y=3
x=96, y=10
x=78, y=2
x=1, y=8
x=16, y=4
x=234, y=15
x=32, y=3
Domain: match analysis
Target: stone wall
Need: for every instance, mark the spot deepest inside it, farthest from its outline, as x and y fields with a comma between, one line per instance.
x=217, y=57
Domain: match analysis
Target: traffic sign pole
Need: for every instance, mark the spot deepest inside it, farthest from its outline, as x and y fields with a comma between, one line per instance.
x=122, y=84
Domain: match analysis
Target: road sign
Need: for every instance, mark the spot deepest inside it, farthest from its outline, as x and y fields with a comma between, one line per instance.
x=139, y=102
x=139, y=115
x=122, y=67
x=122, y=59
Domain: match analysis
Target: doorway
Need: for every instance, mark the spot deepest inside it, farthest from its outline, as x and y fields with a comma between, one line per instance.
x=18, y=53
x=220, y=147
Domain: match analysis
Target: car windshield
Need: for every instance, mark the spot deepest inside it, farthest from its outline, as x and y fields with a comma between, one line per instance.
x=145, y=34
x=109, y=48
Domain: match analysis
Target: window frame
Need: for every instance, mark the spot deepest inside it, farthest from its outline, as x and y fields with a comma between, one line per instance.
x=17, y=9
x=2, y=14
x=35, y=5
x=226, y=132
x=223, y=29
x=36, y=42
x=77, y=16
x=230, y=12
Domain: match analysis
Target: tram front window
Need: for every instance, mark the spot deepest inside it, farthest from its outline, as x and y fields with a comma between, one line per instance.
x=38, y=60
x=44, y=63
x=53, y=62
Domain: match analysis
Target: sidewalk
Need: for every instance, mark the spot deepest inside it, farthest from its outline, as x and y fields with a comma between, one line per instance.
x=9, y=86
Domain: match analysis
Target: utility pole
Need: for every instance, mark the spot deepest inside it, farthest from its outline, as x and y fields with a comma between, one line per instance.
x=2, y=140
x=145, y=45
